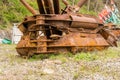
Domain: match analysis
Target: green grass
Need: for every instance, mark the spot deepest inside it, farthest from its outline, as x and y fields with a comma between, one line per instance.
x=98, y=55
x=13, y=11
x=84, y=56
x=110, y=53
x=62, y=57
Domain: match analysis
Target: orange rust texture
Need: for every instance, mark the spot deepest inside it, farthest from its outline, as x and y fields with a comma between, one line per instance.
x=52, y=31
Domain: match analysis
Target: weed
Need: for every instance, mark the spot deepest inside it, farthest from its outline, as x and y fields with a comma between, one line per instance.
x=85, y=56
x=76, y=75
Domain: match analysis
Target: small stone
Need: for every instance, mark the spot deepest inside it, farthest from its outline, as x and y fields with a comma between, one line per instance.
x=58, y=62
x=48, y=71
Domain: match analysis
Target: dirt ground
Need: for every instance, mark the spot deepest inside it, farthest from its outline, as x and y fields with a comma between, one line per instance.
x=13, y=67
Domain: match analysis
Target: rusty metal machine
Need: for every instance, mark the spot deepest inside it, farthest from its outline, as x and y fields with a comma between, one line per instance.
x=53, y=30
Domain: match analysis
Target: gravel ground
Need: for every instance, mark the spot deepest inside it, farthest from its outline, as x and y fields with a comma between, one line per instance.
x=12, y=67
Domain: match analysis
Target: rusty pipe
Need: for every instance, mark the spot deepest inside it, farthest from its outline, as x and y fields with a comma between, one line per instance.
x=83, y=22
x=51, y=7
x=65, y=2
x=33, y=11
x=81, y=3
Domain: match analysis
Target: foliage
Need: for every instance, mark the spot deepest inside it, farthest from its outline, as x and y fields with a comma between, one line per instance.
x=13, y=11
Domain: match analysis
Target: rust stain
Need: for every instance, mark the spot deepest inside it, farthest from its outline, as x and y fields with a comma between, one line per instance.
x=52, y=31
